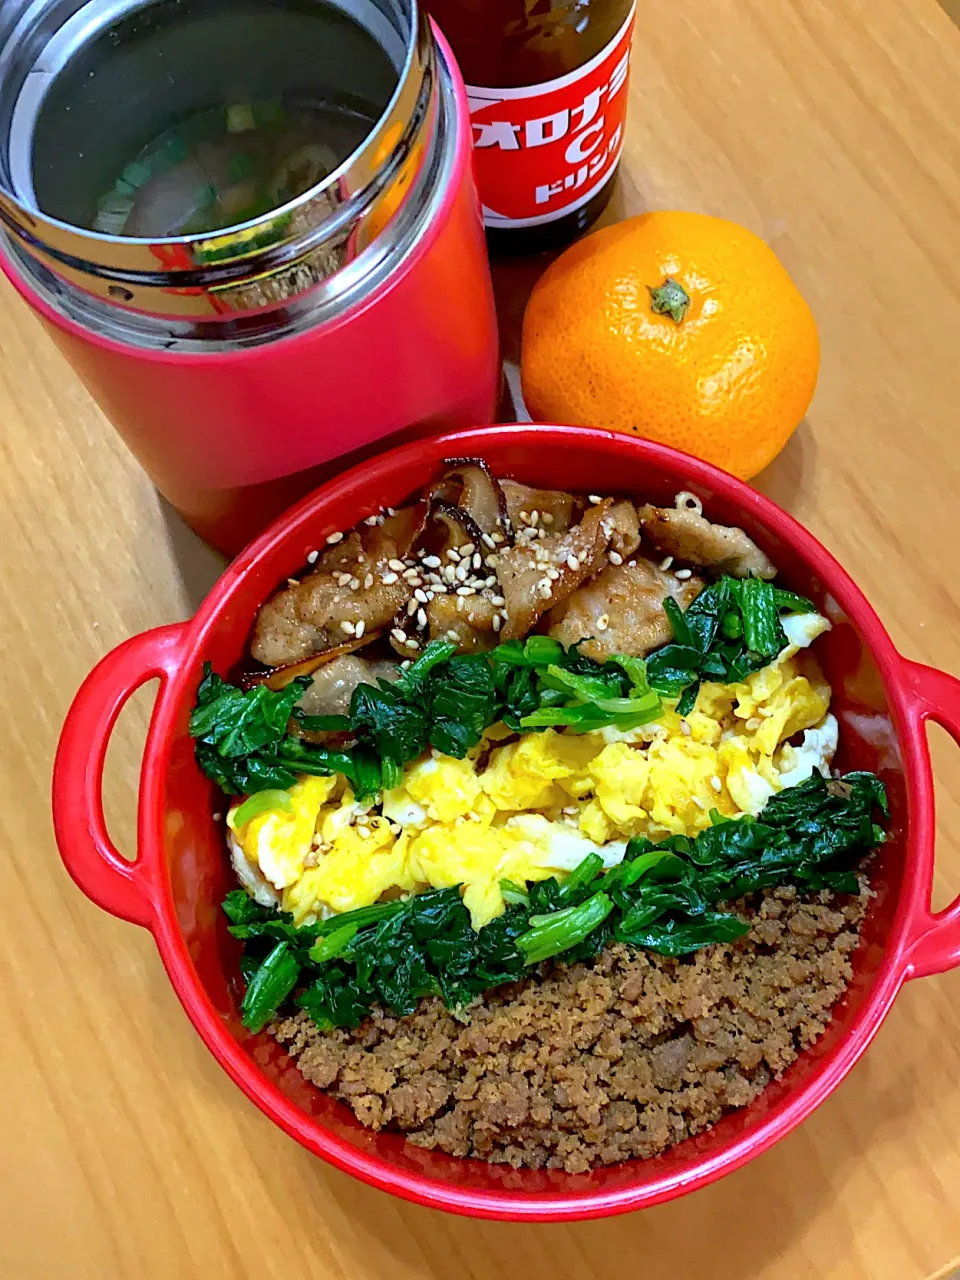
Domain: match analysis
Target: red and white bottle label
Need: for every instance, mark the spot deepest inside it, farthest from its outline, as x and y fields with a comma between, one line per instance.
x=544, y=150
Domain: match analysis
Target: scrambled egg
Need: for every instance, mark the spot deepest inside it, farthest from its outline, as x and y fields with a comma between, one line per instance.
x=537, y=805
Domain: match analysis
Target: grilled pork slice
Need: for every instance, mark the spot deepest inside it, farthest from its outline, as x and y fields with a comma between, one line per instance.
x=539, y=573
x=689, y=536
x=563, y=509
x=353, y=583
x=621, y=610
x=471, y=627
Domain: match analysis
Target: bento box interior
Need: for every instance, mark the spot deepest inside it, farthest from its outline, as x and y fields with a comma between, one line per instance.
x=200, y=875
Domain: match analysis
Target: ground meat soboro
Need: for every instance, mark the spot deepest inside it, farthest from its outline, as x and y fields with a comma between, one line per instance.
x=596, y=1063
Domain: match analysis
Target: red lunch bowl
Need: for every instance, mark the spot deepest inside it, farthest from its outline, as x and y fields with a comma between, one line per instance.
x=181, y=873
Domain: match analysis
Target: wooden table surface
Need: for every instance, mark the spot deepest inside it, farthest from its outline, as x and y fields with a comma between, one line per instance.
x=829, y=126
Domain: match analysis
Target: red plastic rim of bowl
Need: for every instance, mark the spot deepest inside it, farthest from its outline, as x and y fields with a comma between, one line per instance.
x=920, y=942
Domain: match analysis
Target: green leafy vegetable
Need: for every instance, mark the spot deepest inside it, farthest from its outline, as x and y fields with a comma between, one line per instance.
x=448, y=700
x=729, y=631
x=762, y=632
x=559, y=931
x=240, y=908
x=444, y=700
x=269, y=987
x=242, y=742
x=664, y=897
x=259, y=802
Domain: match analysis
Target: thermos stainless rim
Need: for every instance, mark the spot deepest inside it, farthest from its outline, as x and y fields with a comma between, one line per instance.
x=316, y=303
x=265, y=277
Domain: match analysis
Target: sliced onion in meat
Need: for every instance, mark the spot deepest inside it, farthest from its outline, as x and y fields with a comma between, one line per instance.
x=404, y=527
x=479, y=494
x=460, y=526
x=279, y=677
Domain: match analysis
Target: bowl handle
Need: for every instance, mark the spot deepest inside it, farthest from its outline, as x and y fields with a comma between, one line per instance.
x=934, y=943
x=99, y=869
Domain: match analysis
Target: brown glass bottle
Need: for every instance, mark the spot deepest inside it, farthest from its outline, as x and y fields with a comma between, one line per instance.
x=546, y=152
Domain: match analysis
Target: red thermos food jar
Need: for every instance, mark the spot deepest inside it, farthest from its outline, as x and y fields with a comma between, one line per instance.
x=252, y=227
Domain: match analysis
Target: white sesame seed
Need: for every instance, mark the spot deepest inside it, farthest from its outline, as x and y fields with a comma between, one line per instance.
x=412, y=644
x=666, y=562
x=468, y=548
x=405, y=665
x=698, y=802
x=399, y=635
x=685, y=729
x=218, y=816
x=452, y=554
x=545, y=588
x=461, y=603
x=525, y=517
x=603, y=622
x=368, y=582
x=594, y=498
x=363, y=832
x=453, y=637
x=371, y=520
x=411, y=607
x=492, y=561
x=411, y=575
x=389, y=579
x=497, y=600
x=432, y=562
x=573, y=562
x=348, y=627
x=391, y=511
x=313, y=557
x=546, y=518
x=497, y=622
x=466, y=591
x=683, y=574
x=361, y=626
x=334, y=538
x=343, y=579
x=571, y=810
x=616, y=557
x=354, y=584
x=420, y=595
x=488, y=541
x=477, y=560
x=716, y=783
x=293, y=582
x=553, y=574
x=497, y=536
x=450, y=573
x=463, y=571
x=397, y=564
x=421, y=618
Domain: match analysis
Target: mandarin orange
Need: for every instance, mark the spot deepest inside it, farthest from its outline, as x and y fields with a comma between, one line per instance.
x=679, y=327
